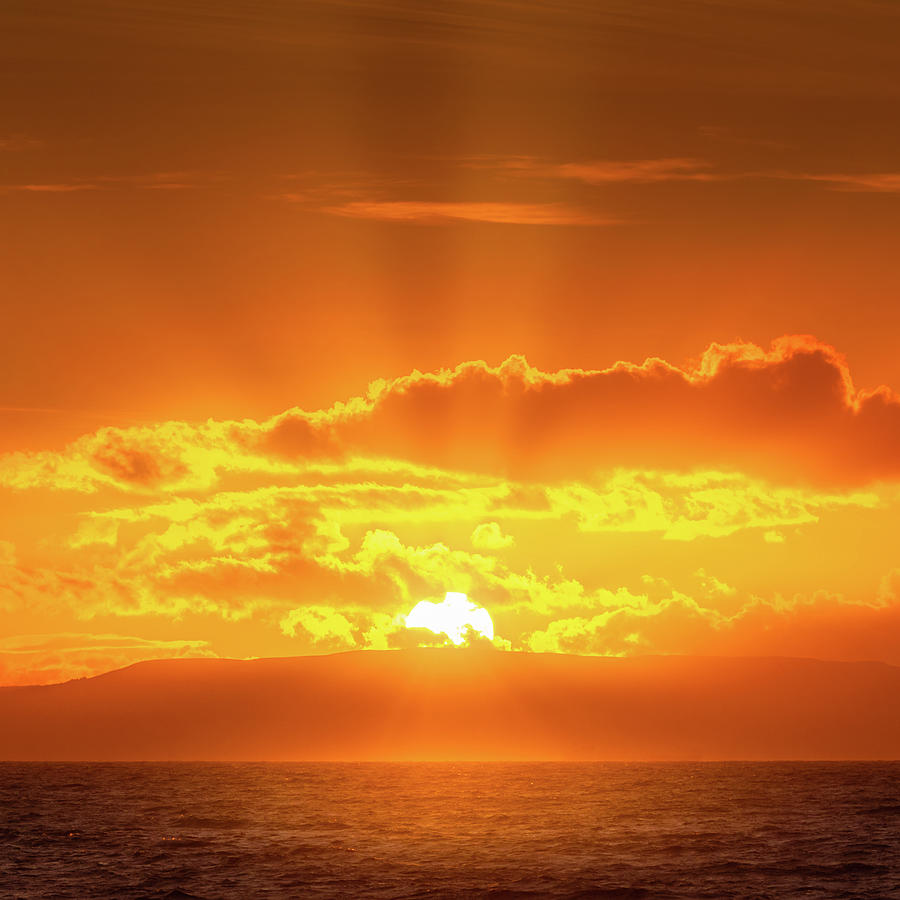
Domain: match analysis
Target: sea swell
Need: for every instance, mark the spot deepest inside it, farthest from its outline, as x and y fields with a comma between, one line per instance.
x=496, y=830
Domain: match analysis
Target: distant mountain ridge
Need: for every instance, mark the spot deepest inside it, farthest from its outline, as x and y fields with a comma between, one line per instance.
x=461, y=704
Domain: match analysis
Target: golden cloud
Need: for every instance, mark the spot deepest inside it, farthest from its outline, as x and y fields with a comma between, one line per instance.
x=789, y=413
x=321, y=528
x=435, y=212
x=490, y=536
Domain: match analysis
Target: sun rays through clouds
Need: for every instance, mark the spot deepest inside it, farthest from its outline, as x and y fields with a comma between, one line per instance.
x=641, y=508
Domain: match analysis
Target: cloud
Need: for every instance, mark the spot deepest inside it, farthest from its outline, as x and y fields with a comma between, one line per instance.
x=19, y=142
x=818, y=625
x=369, y=197
x=52, y=658
x=598, y=172
x=7, y=553
x=889, y=589
x=284, y=561
x=165, y=181
x=150, y=181
x=173, y=456
x=236, y=554
x=435, y=213
x=322, y=626
x=489, y=536
x=673, y=169
x=876, y=182
x=788, y=414
x=684, y=507
x=48, y=188
x=320, y=528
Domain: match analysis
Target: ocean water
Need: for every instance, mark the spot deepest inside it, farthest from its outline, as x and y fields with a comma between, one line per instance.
x=685, y=830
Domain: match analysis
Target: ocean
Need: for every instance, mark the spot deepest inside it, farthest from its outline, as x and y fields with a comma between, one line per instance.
x=498, y=830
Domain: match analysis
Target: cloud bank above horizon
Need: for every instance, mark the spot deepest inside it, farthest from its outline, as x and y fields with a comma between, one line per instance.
x=740, y=504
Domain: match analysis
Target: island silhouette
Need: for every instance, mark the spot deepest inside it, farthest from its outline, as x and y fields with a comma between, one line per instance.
x=466, y=704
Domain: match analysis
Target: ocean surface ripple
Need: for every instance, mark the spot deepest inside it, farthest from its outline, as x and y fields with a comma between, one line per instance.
x=496, y=830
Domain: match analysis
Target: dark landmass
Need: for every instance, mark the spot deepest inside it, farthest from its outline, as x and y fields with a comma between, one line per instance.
x=461, y=704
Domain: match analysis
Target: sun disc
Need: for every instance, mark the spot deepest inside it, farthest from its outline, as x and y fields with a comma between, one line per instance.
x=453, y=616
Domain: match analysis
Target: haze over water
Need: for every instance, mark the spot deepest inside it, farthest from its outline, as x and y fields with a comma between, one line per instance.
x=661, y=830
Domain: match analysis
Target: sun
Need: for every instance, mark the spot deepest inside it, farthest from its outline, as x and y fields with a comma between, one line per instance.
x=453, y=616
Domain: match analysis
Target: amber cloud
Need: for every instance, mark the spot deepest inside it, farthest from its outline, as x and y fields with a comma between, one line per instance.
x=744, y=504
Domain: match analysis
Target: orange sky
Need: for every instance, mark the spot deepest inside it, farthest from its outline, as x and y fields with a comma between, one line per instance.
x=224, y=221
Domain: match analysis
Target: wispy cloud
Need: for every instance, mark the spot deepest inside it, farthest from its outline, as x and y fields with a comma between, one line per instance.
x=149, y=181
x=159, y=180
x=636, y=171
x=48, y=188
x=668, y=169
x=434, y=212
x=14, y=142
x=877, y=182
